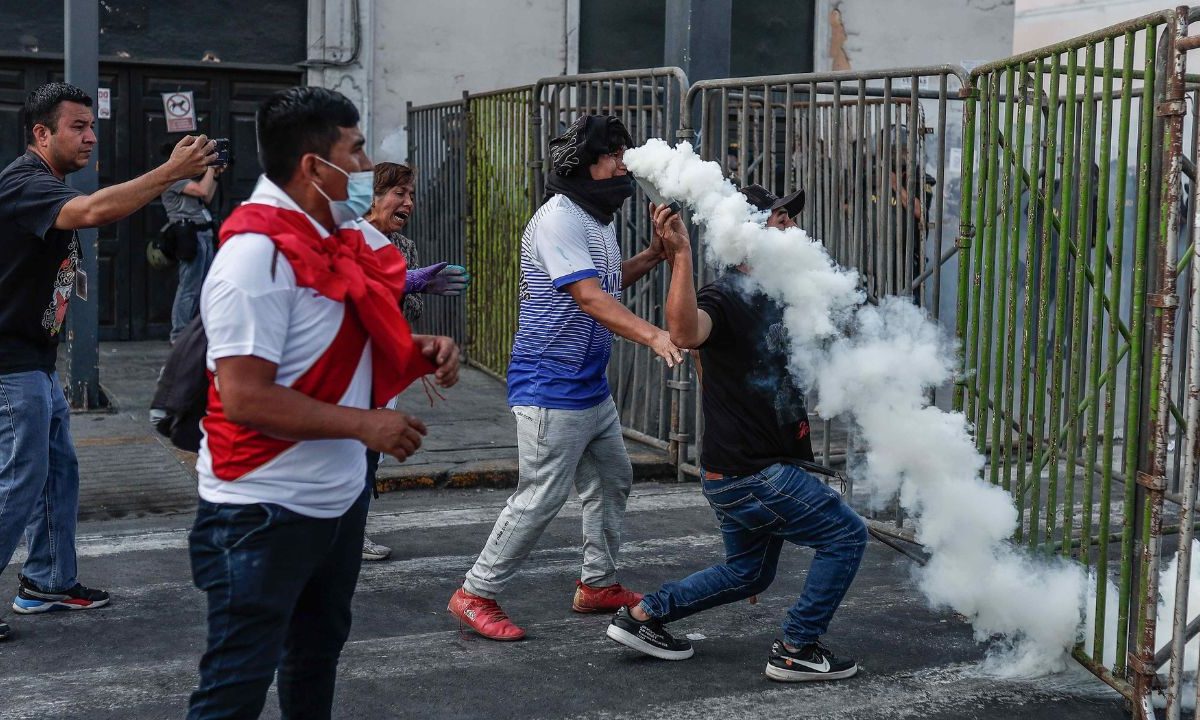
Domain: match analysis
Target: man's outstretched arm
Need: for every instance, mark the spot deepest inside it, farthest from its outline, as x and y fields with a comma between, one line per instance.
x=688, y=325
x=609, y=312
x=108, y=205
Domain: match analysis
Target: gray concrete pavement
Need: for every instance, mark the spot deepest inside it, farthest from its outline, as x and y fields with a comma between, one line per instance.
x=129, y=470
x=407, y=659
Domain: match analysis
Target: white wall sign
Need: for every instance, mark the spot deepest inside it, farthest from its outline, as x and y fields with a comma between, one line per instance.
x=180, y=111
x=103, y=103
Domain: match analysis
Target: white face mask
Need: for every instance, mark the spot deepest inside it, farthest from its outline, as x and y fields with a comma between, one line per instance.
x=360, y=188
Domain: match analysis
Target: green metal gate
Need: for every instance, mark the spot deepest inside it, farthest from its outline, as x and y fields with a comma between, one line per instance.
x=1066, y=309
x=499, y=203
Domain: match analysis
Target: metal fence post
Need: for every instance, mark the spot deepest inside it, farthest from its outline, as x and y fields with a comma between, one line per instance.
x=82, y=43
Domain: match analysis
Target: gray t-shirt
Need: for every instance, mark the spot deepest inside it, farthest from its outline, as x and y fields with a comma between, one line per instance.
x=182, y=207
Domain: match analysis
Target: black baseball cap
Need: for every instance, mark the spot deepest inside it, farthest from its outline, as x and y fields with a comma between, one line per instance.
x=765, y=200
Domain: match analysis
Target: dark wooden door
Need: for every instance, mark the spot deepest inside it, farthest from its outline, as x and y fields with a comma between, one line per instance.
x=136, y=299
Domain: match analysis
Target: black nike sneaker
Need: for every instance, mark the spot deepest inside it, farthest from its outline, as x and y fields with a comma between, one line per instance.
x=5, y=630
x=649, y=637
x=812, y=662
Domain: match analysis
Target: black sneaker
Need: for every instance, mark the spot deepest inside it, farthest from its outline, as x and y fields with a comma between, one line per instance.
x=5, y=630
x=649, y=637
x=814, y=661
x=31, y=599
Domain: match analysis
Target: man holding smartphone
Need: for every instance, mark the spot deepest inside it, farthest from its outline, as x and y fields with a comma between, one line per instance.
x=39, y=214
x=187, y=203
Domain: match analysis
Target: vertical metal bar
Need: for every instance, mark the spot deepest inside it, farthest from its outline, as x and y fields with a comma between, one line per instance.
x=789, y=140
x=965, y=234
x=987, y=292
x=1191, y=441
x=811, y=176
x=989, y=98
x=1037, y=149
x=1114, y=320
x=744, y=138
x=1012, y=235
x=1190, y=454
x=939, y=202
x=1100, y=242
x=888, y=193
x=913, y=250
x=769, y=139
x=1075, y=361
x=1137, y=331
x=723, y=143
x=1043, y=322
x=1164, y=305
x=1001, y=283
x=1061, y=268
x=81, y=21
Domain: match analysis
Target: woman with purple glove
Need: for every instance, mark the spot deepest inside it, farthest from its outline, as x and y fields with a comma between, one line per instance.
x=389, y=213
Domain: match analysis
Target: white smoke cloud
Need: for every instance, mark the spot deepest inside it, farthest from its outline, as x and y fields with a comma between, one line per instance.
x=874, y=366
x=394, y=147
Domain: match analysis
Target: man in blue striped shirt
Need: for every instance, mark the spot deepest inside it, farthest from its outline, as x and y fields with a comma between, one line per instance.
x=568, y=430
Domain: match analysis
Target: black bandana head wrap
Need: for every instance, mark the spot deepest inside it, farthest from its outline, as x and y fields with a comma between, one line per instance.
x=571, y=153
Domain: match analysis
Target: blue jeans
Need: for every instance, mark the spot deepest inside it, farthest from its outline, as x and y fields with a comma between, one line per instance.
x=279, y=586
x=757, y=514
x=191, y=280
x=39, y=478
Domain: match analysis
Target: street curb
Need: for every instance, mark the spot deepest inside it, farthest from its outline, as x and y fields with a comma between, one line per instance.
x=647, y=467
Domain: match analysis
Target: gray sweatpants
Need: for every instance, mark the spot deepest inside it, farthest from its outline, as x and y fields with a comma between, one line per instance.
x=558, y=448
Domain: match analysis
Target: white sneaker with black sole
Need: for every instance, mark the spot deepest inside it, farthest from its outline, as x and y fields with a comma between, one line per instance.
x=813, y=662
x=374, y=551
x=649, y=637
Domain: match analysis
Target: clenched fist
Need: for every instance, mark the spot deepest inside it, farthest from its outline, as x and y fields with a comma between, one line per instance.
x=391, y=432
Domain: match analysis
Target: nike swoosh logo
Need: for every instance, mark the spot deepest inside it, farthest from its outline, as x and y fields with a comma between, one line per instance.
x=823, y=667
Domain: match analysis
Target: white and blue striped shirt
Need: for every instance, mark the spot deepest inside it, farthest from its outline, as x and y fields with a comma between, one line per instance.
x=560, y=354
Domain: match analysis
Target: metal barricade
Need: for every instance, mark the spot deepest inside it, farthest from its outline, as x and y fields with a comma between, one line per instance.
x=436, y=152
x=499, y=204
x=650, y=103
x=873, y=152
x=1067, y=303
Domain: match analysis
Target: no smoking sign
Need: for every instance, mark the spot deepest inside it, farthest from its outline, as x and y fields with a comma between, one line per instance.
x=179, y=108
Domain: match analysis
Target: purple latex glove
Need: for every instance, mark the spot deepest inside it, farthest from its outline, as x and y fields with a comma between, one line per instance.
x=438, y=279
x=416, y=279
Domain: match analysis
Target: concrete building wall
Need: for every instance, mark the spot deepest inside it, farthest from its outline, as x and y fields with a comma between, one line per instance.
x=869, y=34
x=426, y=52
x=1038, y=23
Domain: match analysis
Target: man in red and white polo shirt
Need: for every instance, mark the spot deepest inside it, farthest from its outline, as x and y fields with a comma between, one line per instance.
x=305, y=337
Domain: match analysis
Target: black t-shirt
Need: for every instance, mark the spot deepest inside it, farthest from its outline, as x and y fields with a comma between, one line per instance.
x=754, y=415
x=37, y=264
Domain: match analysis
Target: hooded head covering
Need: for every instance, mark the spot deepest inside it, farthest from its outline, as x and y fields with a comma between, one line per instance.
x=589, y=137
x=571, y=153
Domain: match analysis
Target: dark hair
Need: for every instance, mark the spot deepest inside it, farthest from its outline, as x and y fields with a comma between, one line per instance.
x=390, y=175
x=41, y=107
x=297, y=121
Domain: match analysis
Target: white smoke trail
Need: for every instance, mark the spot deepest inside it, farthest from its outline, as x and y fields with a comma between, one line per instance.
x=394, y=147
x=874, y=365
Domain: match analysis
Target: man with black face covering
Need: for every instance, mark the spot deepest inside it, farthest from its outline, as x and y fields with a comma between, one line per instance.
x=568, y=430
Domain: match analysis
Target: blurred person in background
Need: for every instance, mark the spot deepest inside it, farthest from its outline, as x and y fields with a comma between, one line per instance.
x=391, y=208
x=187, y=203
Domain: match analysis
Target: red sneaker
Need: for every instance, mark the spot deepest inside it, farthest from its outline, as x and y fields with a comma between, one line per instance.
x=484, y=616
x=607, y=599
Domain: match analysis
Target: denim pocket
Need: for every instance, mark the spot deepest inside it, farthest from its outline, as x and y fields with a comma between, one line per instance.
x=243, y=523
x=747, y=511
